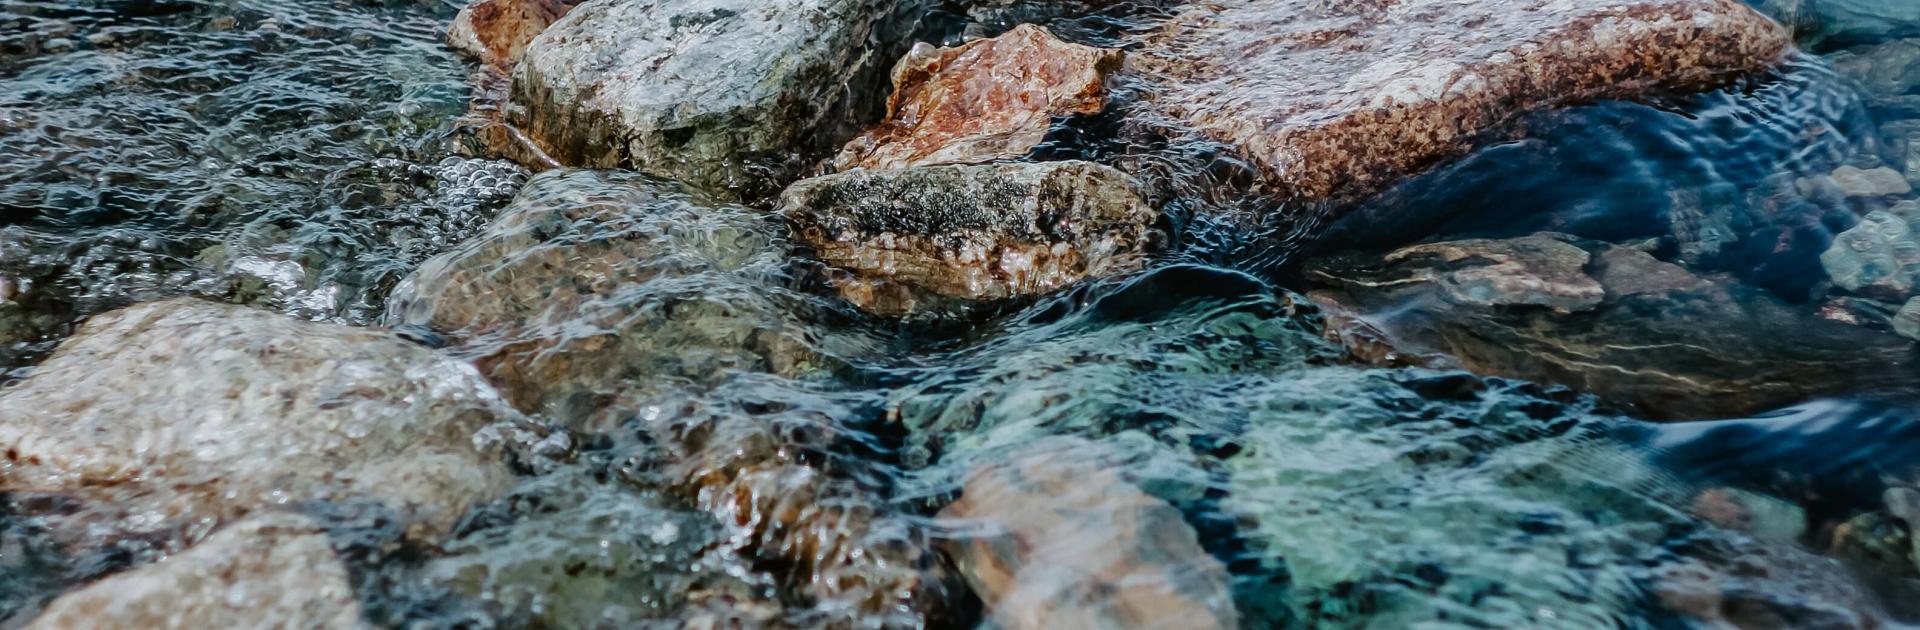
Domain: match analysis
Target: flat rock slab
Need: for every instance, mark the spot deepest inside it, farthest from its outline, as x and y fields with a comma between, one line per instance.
x=497, y=31
x=1340, y=99
x=975, y=232
x=988, y=99
x=722, y=94
x=270, y=570
x=191, y=412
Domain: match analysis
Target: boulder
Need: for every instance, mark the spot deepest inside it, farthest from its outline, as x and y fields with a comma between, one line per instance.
x=270, y=570
x=186, y=413
x=1845, y=21
x=1633, y=329
x=986, y=100
x=1888, y=69
x=723, y=94
x=1340, y=99
x=1870, y=182
x=1877, y=258
x=497, y=31
x=593, y=287
x=975, y=232
x=1054, y=539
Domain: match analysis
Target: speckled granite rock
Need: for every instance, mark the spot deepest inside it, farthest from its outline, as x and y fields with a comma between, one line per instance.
x=270, y=570
x=1058, y=540
x=497, y=31
x=977, y=232
x=1659, y=339
x=589, y=280
x=1339, y=99
x=985, y=100
x=185, y=413
x=722, y=94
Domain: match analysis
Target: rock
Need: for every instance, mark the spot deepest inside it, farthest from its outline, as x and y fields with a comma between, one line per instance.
x=987, y=18
x=1063, y=542
x=1845, y=21
x=981, y=232
x=1339, y=100
x=1907, y=320
x=1904, y=136
x=986, y=100
x=185, y=413
x=270, y=570
x=594, y=287
x=1888, y=69
x=1661, y=340
x=1875, y=182
x=497, y=31
x=721, y=94
x=1878, y=258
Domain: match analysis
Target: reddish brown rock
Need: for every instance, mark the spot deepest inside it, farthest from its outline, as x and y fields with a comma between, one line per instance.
x=1061, y=541
x=497, y=31
x=985, y=100
x=1339, y=99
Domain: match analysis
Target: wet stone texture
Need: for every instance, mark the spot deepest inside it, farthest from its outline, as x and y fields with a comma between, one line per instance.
x=978, y=232
x=1338, y=100
x=269, y=570
x=988, y=99
x=722, y=94
x=1609, y=320
x=171, y=417
x=497, y=31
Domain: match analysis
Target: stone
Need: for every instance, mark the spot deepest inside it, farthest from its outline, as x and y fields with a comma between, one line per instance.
x=1907, y=320
x=184, y=414
x=986, y=100
x=1888, y=69
x=497, y=31
x=270, y=570
x=589, y=281
x=1055, y=539
x=1539, y=270
x=1877, y=258
x=1874, y=182
x=729, y=95
x=976, y=232
x=1341, y=99
x=1845, y=21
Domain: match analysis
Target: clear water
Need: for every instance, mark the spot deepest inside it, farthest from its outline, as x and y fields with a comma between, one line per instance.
x=750, y=450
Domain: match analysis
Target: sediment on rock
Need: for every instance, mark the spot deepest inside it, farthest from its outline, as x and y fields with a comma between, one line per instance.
x=1334, y=101
x=187, y=413
x=985, y=100
x=497, y=31
x=979, y=232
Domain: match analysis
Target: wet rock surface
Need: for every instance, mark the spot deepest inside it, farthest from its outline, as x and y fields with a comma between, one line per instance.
x=725, y=94
x=1609, y=320
x=1341, y=100
x=272, y=569
x=980, y=232
x=988, y=99
x=171, y=417
x=497, y=31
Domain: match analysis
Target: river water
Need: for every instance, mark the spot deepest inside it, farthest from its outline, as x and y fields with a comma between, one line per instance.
x=305, y=157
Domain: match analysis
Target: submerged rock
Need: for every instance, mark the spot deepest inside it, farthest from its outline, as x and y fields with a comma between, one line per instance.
x=1877, y=258
x=988, y=99
x=1057, y=540
x=1846, y=21
x=1341, y=99
x=186, y=413
x=270, y=570
x=1655, y=336
x=497, y=31
x=980, y=232
x=722, y=94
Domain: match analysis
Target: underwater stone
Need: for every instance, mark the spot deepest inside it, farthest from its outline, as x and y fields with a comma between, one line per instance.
x=1342, y=99
x=184, y=413
x=976, y=232
x=1888, y=69
x=1065, y=542
x=721, y=94
x=1538, y=270
x=497, y=31
x=1877, y=258
x=1873, y=182
x=270, y=570
x=1845, y=21
x=985, y=100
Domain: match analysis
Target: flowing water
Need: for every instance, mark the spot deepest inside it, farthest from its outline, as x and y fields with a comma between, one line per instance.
x=750, y=450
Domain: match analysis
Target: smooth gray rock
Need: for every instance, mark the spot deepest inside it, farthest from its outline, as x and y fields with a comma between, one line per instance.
x=723, y=94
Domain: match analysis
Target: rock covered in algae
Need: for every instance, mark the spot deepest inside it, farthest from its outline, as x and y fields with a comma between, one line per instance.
x=269, y=570
x=1340, y=99
x=187, y=413
x=1056, y=540
x=716, y=93
x=590, y=287
x=497, y=31
x=1609, y=320
x=975, y=232
x=985, y=100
